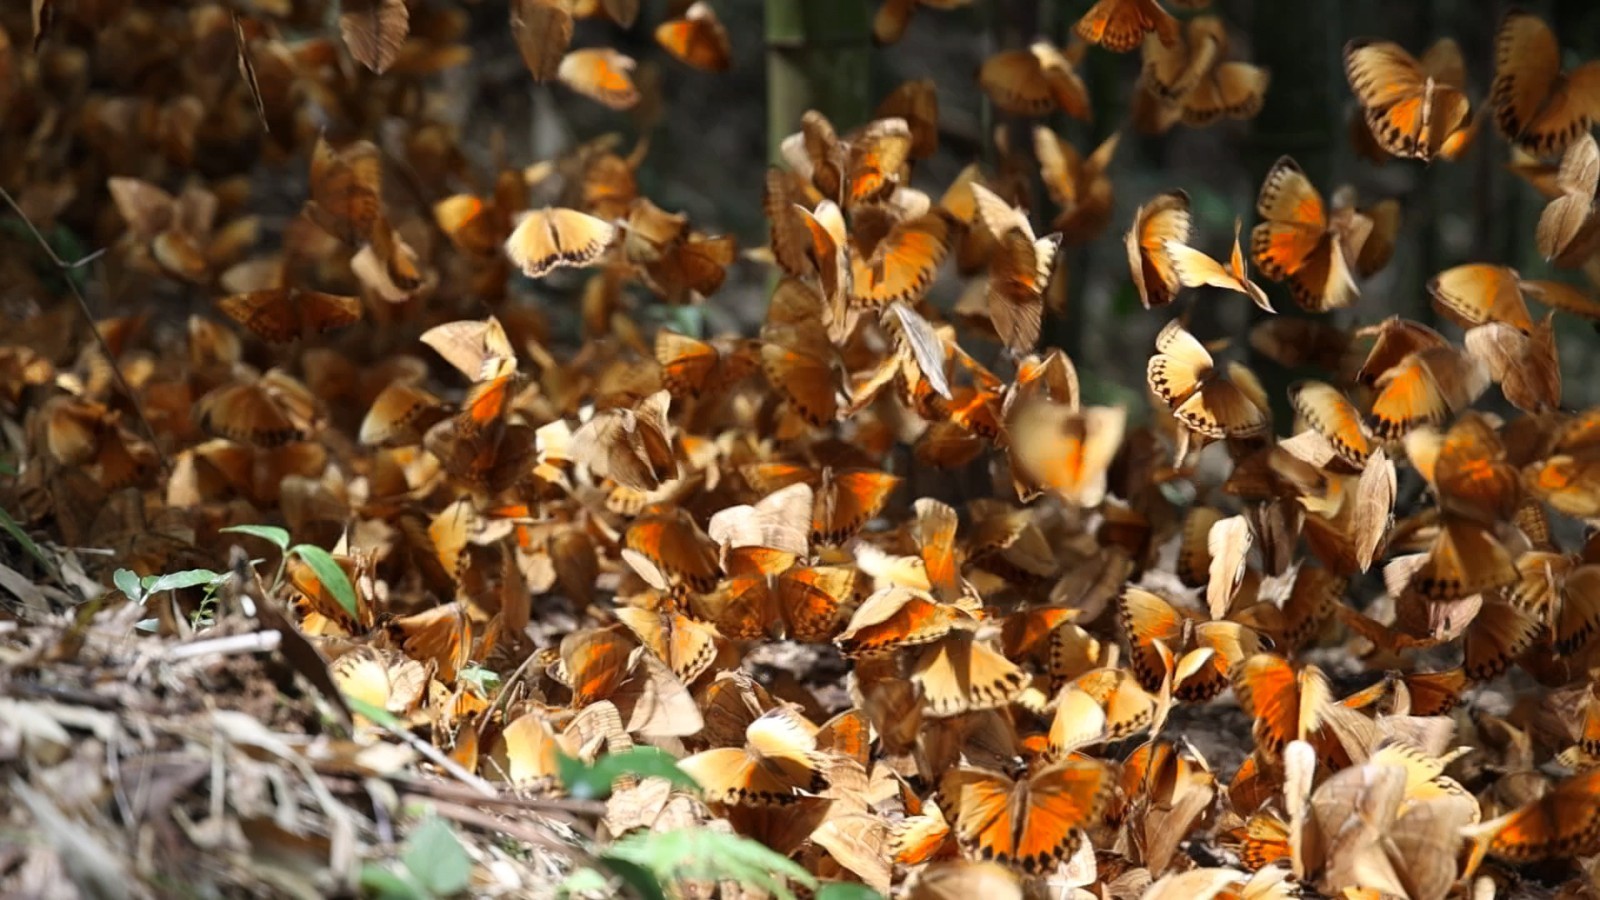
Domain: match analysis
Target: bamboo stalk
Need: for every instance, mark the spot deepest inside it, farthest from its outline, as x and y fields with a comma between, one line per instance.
x=818, y=57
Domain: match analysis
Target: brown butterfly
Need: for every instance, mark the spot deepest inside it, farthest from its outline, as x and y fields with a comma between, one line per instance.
x=1536, y=103
x=1414, y=109
x=1183, y=374
x=1302, y=242
x=697, y=38
x=1121, y=25
x=1034, y=81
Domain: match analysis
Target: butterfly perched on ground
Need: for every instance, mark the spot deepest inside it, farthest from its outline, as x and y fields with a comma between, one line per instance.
x=778, y=765
x=1029, y=823
x=1414, y=109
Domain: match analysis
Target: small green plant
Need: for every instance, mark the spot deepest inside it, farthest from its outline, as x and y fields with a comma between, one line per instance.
x=140, y=590
x=593, y=781
x=320, y=561
x=433, y=865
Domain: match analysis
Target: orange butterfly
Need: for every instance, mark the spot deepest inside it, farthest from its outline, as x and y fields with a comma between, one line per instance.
x=892, y=18
x=687, y=646
x=1536, y=104
x=1476, y=488
x=846, y=499
x=1194, y=268
x=690, y=367
x=697, y=38
x=479, y=225
x=1190, y=81
x=553, y=238
x=268, y=411
x=1182, y=373
x=1477, y=293
x=1563, y=823
x=1414, y=109
x=1064, y=451
x=1157, y=225
x=1562, y=594
x=1302, y=242
x=1034, y=81
x=669, y=550
x=897, y=617
x=1207, y=650
x=1424, y=388
x=282, y=314
x=1028, y=824
x=805, y=603
x=601, y=74
x=864, y=167
x=1568, y=478
x=799, y=362
x=1078, y=184
x=1019, y=270
x=1326, y=410
x=1120, y=25
x=778, y=765
x=902, y=265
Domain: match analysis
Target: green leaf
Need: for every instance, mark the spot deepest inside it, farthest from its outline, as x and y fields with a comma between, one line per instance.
x=486, y=680
x=594, y=782
x=382, y=881
x=583, y=880
x=128, y=583
x=436, y=859
x=270, y=533
x=21, y=537
x=845, y=890
x=177, y=581
x=328, y=572
x=642, y=880
x=703, y=854
x=374, y=712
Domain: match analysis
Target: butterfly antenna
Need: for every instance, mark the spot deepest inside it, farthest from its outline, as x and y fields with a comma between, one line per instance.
x=83, y=306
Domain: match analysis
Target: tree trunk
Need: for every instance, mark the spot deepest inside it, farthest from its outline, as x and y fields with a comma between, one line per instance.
x=818, y=57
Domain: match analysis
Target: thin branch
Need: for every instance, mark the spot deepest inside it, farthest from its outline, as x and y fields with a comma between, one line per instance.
x=88, y=315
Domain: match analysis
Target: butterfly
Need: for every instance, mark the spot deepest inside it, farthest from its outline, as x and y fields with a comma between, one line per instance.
x=1182, y=373
x=542, y=30
x=1190, y=81
x=1561, y=593
x=1562, y=823
x=845, y=499
x=282, y=314
x=893, y=17
x=803, y=603
x=1302, y=242
x=670, y=550
x=1525, y=364
x=1158, y=224
x=1476, y=488
x=1423, y=388
x=1033, y=81
x=346, y=188
x=1329, y=413
x=687, y=646
x=1078, y=184
x=902, y=265
x=896, y=617
x=1028, y=824
x=917, y=102
x=1206, y=650
x=1569, y=232
x=631, y=446
x=862, y=168
x=268, y=411
x=479, y=225
x=799, y=362
x=690, y=367
x=1064, y=451
x=697, y=38
x=1536, y=104
x=1123, y=706
x=1477, y=293
x=1194, y=268
x=1121, y=25
x=1019, y=270
x=1414, y=109
x=778, y=765
x=601, y=74
x=1568, y=477
x=554, y=238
